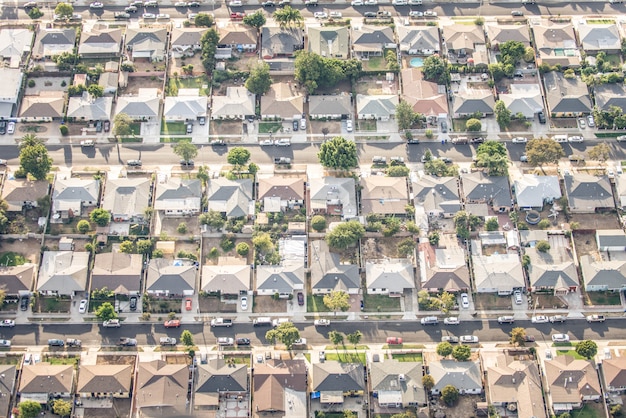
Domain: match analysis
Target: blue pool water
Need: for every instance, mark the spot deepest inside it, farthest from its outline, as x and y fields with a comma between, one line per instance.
x=417, y=62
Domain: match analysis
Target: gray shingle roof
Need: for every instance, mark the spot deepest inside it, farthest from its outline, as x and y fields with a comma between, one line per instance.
x=566, y=95
x=164, y=275
x=480, y=187
x=333, y=376
x=328, y=273
x=464, y=375
x=219, y=376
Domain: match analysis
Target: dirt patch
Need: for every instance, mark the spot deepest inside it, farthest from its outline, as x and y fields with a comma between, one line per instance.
x=219, y=89
x=28, y=248
x=176, y=64
x=188, y=247
x=177, y=359
x=318, y=126
x=136, y=83
x=213, y=304
x=376, y=85
x=226, y=127
x=116, y=359
x=170, y=227
x=342, y=87
x=243, y=62
x=596, y=220
x=545, y=301
x=488, y=301
x=210, y=243
x=564, y=123
x=52, y=244
x=585, y=243
x=121, y=408
x=265, y=304
x=464, y=407
x=374, y=248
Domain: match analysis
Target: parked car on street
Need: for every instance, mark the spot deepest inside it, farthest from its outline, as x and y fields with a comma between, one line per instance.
x=469, y=339
x=394, y=340
x=7, y=323
x=539, y=319
x=452, y=320
x=560, y=338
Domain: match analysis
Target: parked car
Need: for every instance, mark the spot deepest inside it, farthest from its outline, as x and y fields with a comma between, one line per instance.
x=582, y=123
x=295, y=124
x=56, y=343
x=517, y=295
x=82, y=308
x=235, y=3
x=24, y=302
x=523, y=158
x=217, y=142
x=557, y=318
x=394, y=340
x=11, y=128
x=575, y=138
x=282, y=142
x=127, y=342
x=560, y=338
x=300, y=299
x=243, y=341
x=452, y=339
x=148, y=16
x=111, y=323
x=131, y=9
x=151, y=3
x=349, y=125
x=133, y=303
x=244, y=303
x=172, y=323
x=5, y=343
x=121, y=15
x=30, y=5
x=452, y=320
x=356, y=3
x=96, y=5
x=335, y=15
x=3, y=127
x=180, y=4
x=529, y=338
x=269, y=3
x=517, y=13
x=133, y=163
x=320, y=15
x=621, y=138
x=430, y=13
x=188, y=304
x=469, y=339
x=465, y=300
x=542, y=117
x=321, y=322
x=590, y=122
x=539, y=319
x=266, y=143
x=519, y=140
x=507, y=319
x=415, y=13
x=7, y=323
x=164, y=16
x=369, y=14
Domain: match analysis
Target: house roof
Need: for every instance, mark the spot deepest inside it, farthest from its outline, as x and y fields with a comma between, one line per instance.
x=371, y=38
x=146, y=37
x=279, y=41
x=460, y=36
x=566, y=95
x=46, y=378
x=74, y=190
x=51, y=41
x=381, y=106
x=392, y=274
x=333, y=376
x=464, y=375
x=63, y=272
x=172, y=276
x=160, y=384
x=238, y=101
x=185, y=107
x=129, y=196
x=218, y=375
x=7, y=386
x=531, y=191
x=425, y=97
x=585, y=191
x=606, y=273
x=144, y=105
x=287, y=188
x=570, y=379
x=524, y=98
x=327, y=271
x=327, y=190
x=551, y=38
x=275, y=384
x=14, y=43
x=236, y=34
x=17, y=191
x=115, y=269
x=283, y=279
x=282, y=100
x=421, y=38
x=610, y=238
x=498, y=271
x=499, y=33
x=396, y=380
x=610, y=94
x=176, y=193
x=226, y=278
x=104, y=378
x=329, y=41
x=48, y=104
x=100, y=40
x=337, y=104
x=386, y=195
x=16, y=279
x=554, y=269
x=614, y=371
x=187, y=36
x=596, y=38
x=87, y=107
x=108, y=81
x=449, y=279
x=516, y=381
x=473, y=100
x=232, y=197
x=437, y=194
x=478, y=187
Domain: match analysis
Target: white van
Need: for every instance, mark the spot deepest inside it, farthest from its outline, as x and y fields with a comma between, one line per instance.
x=429, y=320
x=560, y=138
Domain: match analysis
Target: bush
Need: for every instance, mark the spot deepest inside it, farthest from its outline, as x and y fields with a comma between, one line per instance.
x=182, y=228
x=64, y=130
x=243, y=249
x=83, y=226
x=473, y=125
x=544, y=224
x=31, y=83
x=227, y=243
x=428, y=133
x=318, y=223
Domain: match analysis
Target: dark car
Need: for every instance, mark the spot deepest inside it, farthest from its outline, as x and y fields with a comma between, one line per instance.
x=243, y=341
x=134, y=163
x=107, y=126
x=296, y=125
x=369, y=14
x=300, y=299
x=444, y=127
x=133, y=303
x=187, y=163
x=478, y=140
x=542, y=117
x=56, y=343
x=529, y=338
x=193, y=4
x=99, y=126
x=24, y=304
x=3, y=127
x=218, y=142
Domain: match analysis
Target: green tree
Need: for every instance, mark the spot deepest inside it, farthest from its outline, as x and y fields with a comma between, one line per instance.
x=144, y=246
x=83, y=226
x=492, y=156
x=444, y=349
x=336, y=338
x=62, y=408
x=242, y=249
x=65, y=10
x=213, y=219
x=208, y=43
x=542, y=151
x=100, y=217
x=286, y=333
x=95, y=90
x=405, y=115
x=529, y=54
x=256, y=20
x=34, y=158
x=355, y=338
x=428, y=382
x=105, y=312
x=338, y=154
x=518, y=336
x=433, y=238
x=349, y=414
x=127, y=247
x=398, y=171
x=204, y=20
x=35, y=13
x=587, y=348
x=542, y=246
x=186, y=337
x=29, y=409
x=461, y=352
x=473, y=125
x=122, y=125
x=447, y=300
x=492, y=224
x=337, y=300
x=544, y=224
x=263, y=242
x=186, y=150
x=406, y=247
x=512, y=51
x=259, y=81
x=238, y=157
x=600, y=152
x=440, y=169
x=345, y=234
x=435, y=69
x=318, y=223
x=449, y=394
x=503, y=114
x=288, y=16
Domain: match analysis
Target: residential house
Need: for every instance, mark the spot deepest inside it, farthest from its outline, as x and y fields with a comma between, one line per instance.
x=384, y=195
x=466, y=376
x=380, y=107
x=231, y=198
x=553, y=271
x=468, y=101
x=566, y=97
x=8, y=373
x=498, y=273
x=280, y=389
x=161, y=388
x=109, y=82
x=279, y=193
x=523, y=99
x=178, y=197
x=389, y=276
x=23, y=194
x=230, y=276
x=89, y=108
x=611, y=240
x=600, y=38
x=219, y=381
x=446, y=272
x=238, y=104
x=143, y=106
x=571, y=383
x=328, y=273
x=337, y=106
x=63, y=273
x=17, y=281
x=465, y=43
x=41, y=381
x=530, y=237
x=609, y=95
x=556, y=44
x=333, y=196
x=514, y=383
x=47, y=106
x=397, y=384
x=52, y=41
x=329, y=41
x=171, y=278
x=282, y=101
x=438, y=196
x=146, y=43
x=15, y=46
x=239, y=37
x=283, y=279
x=334, y=381
x=587, y=193
x=10, y=91
x=369, y=40
x=189, y=105
x=603, y=275
x=185, y=42
x=614, y=374
x=281, y=42
x=127, y=199
x=428, y=98
x=494, y=191
x=499, y=33
x=419, y=40
x=74, y=197
x=532, y=191
x=117, y=271
x=108, y=381
x=100, y=42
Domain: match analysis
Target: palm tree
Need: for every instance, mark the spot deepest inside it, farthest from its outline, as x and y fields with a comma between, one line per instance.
x=288, y=16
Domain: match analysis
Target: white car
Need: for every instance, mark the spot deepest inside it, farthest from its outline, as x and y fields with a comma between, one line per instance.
x=519, y=140
x=244, y=303
x=582, y=123
x=96, y=5
x=148, y=16
x=575, y=138
x=470, y=339
x=357, y=3
x=399, y=2
x=11, y=128
x=539, y=319
x=180, y=4
x=82, y=308
x=162, y=16
x=349, y=125
x=621, y=138
x=321, y=322
x=464, y=300
x=518, y=297
x=235, y=3
x=430, y=13
x=590, y=122
x=266, y=143
x=450, y=339
x=7, y=323
x=192, y=16
x=371, y=2
x=282, y=142
x=416, y=13
x=111, y=323
x=320, y=15
x=335, y=15
x=560, y=338
x=453, y=320
x=5, y=343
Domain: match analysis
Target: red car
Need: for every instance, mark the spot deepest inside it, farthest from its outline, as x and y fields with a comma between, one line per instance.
x=394, y=340
x=172, y=323
x=237, y=16
x=188, y=304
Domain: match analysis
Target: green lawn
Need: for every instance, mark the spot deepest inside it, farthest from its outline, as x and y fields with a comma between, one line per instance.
x=346, y=357
x=175, y=84
x=588, y=411
x=166, y=140
x=366, y=125
x=12, y=259
x=374, y=64
x=61, y=360
x=604, y=298
x=173, y=128
x=572, y=353
x=380, y=303
x=413, y=357
x=315, y=303
x=267, y=127
x=600, y=21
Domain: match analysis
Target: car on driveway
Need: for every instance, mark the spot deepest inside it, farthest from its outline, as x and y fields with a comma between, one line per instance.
x=188, y=304
x=452, y=339
x=519, y=140
x=24, y=302
x=82, y=308
x=464, y=300
x=300, y=299
x=11, y=128
x=452, y=320
x=539, y=319
x=7, y=323
x=244, y=303
x=133, y=303
x=560, y=338
x=469, y=339
x=394, y=340
x=590, y=122
x=518, y=297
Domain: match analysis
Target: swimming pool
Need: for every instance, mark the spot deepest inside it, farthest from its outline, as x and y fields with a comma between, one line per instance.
x=417, y=62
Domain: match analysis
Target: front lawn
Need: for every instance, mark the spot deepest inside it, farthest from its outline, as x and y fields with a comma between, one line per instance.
x=366, y=125
x=491, y=301
x=52, y=304
x=380, y=303
x=346, y=357
x=412, y=357
x=173, y=128
x=572, y=353
x=315, y=303
x=270, y=127
x=603, y=298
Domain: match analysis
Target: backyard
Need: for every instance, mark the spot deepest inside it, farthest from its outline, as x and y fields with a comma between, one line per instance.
x=176, y=83
x=590, y=410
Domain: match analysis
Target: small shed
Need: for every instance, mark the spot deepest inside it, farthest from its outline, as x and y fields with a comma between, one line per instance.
x=512, y=240
x=66, y=244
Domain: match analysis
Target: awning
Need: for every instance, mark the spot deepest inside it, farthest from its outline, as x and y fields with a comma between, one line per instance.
x=331, y=397
x=389, y=397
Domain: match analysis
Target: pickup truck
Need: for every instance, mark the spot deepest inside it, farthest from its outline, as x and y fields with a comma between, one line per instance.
x=127, y=342
x=72, y=342
x=167, y=341
x=596, y=318
x=221, y=322
x=282, y=160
